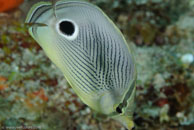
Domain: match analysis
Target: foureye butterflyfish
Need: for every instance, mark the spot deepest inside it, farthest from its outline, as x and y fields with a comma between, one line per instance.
x=91, y=52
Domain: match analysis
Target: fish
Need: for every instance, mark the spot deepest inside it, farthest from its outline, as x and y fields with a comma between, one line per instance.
x=91, y=52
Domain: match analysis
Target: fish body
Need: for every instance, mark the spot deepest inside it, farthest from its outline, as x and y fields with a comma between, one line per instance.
x=91, y=52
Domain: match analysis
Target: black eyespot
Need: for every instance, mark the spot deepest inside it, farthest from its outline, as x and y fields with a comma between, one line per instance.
x=67, y=28
x=118, y=110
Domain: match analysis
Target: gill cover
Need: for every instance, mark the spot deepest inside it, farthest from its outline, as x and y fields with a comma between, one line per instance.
x=91, y=52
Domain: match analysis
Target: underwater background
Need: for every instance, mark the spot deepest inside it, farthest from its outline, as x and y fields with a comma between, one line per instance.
x=35, y=96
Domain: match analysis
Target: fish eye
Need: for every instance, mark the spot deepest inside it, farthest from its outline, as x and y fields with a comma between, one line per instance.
x=118, y=110
x=68, y=29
